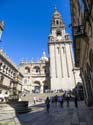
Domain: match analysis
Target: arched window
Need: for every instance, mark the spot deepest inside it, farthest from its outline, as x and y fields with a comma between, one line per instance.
x=57, y=22
x=44, y=67
x=37, y=69
x=37, y=87
x=58, y=33
x=27, y=70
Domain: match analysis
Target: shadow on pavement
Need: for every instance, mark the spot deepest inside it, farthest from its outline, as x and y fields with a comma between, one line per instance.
x=24, y=117
x=57, y=115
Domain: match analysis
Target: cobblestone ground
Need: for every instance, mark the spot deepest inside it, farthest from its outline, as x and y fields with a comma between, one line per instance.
x=83, y=115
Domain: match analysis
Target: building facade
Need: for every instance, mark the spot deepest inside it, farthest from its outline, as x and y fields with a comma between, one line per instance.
x=82, y=27
x=10, y=77
x=60, y=54
x=36, y=75
x=57, y=72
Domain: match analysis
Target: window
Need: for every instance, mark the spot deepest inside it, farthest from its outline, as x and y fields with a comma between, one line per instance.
x=45, y=71
x=57, y=22
x=27, y=70
x=6, y=92
x=37, y=69
x=58, y=33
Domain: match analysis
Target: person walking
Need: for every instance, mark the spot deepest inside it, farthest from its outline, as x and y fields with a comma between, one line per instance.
x=34, y=100
x=47, y=101
x=68, y=99
x=56, y=99
x=61, y=101
x=76, y=100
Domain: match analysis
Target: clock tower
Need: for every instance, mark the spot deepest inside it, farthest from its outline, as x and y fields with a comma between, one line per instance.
x=60, y=55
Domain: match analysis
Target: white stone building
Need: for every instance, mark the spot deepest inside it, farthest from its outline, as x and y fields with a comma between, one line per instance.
x=10, y=77
x=58, y=71
x=60, y=53
x=36, y=75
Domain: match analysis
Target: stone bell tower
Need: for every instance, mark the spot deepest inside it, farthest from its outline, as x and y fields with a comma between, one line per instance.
x=60, y=54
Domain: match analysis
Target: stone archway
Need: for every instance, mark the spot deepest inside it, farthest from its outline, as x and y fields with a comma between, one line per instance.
x=37, y=87
x=36, y=69
x=27, y=69
x=45, y=86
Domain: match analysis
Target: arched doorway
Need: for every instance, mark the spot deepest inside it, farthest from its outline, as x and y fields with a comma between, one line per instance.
x=37, y=87
x=46, y=88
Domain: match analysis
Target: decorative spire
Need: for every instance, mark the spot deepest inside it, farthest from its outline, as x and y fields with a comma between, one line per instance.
x=44, y=54
x=55, y=8
x=44, y=58
x=57, y=21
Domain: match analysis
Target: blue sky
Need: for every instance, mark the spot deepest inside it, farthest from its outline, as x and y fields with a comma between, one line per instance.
x=27, y=26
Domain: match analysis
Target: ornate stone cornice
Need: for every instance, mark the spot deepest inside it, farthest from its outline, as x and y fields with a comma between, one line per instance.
x=2, y=54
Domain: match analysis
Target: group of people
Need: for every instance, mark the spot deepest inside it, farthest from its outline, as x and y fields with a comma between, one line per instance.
x=60, y=99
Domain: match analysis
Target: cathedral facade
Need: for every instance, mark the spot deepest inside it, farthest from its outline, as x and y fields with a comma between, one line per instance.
x=36, y=75
x=56, y=72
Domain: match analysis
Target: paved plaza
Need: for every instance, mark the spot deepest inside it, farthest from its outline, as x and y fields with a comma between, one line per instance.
x=57, y=116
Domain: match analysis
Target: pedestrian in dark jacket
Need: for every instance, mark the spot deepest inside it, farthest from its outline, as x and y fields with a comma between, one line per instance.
x=47, y=101
x=76, y=101
x=56, y=99
x=68, y=99
x=61, y=101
